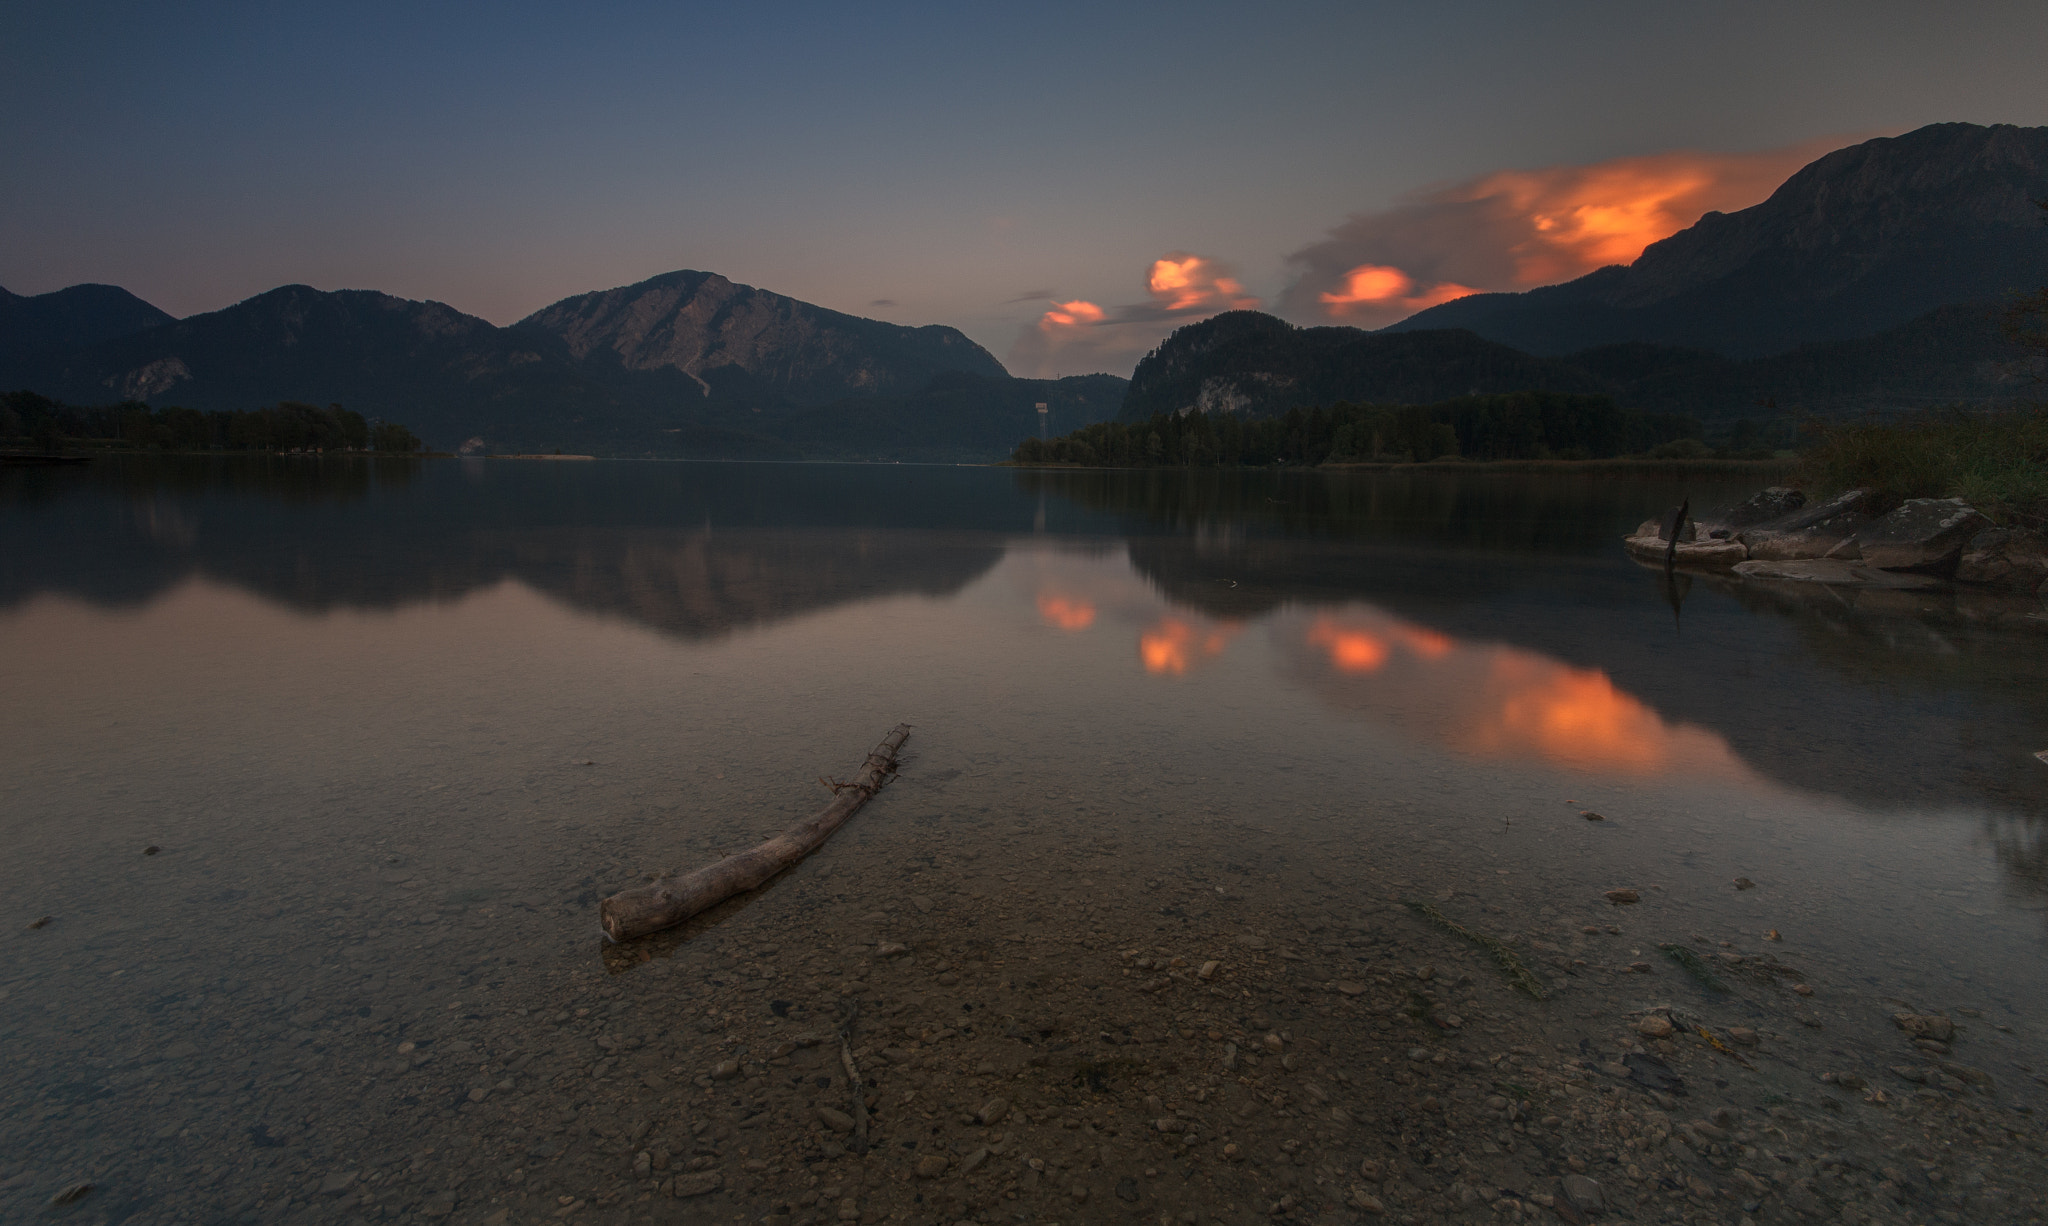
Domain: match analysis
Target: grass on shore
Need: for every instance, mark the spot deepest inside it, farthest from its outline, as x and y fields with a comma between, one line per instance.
x=1997, y=462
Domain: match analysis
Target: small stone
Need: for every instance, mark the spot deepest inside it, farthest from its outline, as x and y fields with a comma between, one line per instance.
x=698, y=1183
x=725, y=1070
x=151, y=850
x=1208, y=970
x=1742, y=1036
x=1366, y=1202
x=1350, y=987
x=1079, y=1192
x=889, y=949
x=1251, y=941
x=479, y=1094
x=1772, y=935
x=849, y=1210
x=1272, y=1042
x=1591, y=816
x=1925, y=1026
x=922, y=903
x=1446, y=1021
x=39, y=923
x=337, y=1183
x=836, y=1120
x=1425, y=973
x=1583, y=1193
x=643, y=1164
x=1638, y=968
x=1622, y=898
x=993, y=1111
x=1230, y=1057
x=72, y=1194
x=1655, y=1026
x=1744, y=883
x=931, y=1166
x=973, y=1160
x=1802, y=989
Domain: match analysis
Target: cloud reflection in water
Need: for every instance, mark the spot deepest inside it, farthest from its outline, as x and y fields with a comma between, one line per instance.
x=1494, y=701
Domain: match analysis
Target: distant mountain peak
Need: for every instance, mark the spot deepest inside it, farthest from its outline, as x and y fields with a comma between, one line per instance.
x=70, y=318
x=701, y=323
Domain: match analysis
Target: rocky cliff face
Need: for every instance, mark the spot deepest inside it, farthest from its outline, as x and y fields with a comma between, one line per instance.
x=715, y=331
x=1860, y=240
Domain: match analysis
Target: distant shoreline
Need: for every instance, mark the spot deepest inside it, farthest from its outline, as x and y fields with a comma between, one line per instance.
x=1614, y=464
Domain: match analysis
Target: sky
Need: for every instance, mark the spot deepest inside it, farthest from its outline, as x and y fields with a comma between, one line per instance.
x=1066, y=183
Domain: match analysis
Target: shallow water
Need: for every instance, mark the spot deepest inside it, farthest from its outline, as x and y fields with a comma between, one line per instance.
x=394, y=728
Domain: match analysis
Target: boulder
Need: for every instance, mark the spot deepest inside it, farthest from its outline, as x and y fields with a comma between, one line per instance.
x=1835, y=571
x=1830, y=538
x=1773, y=503
x=1814, y=512
x=1925, y=534
x=1694, y=555
x=2006, y=557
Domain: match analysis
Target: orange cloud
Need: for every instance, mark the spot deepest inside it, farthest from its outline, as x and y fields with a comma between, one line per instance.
x=1066, y=612
x=1170, y=645
x=1379, y=287
x=1184, y=284
x=1080, y=337
x=1514, y=229
x=1076, y=314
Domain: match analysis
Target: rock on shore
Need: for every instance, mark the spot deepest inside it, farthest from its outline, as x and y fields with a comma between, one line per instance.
x=1777, y=534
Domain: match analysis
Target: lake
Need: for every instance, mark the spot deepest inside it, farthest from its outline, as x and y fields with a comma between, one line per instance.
x=315, y=771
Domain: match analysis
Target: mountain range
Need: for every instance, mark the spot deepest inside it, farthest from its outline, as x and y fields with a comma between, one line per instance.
x=688, y=363
x=1872, y=279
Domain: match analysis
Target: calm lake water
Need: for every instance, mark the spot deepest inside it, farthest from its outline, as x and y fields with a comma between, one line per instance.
x=394, y=728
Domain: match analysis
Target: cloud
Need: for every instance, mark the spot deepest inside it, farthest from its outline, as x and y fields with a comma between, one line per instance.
x=1514, y=229
x=1080, y=336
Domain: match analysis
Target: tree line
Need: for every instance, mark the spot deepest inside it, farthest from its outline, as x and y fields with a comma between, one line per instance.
x=1514, y=426
x=289, y=425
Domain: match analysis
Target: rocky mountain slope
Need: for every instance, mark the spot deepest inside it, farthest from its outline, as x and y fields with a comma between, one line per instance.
x=736, y=337
x=1863, y=239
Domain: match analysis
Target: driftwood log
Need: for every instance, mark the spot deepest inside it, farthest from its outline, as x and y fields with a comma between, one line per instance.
x=671, y=900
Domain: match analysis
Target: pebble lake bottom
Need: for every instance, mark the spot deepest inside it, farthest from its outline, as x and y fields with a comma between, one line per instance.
x=1261, y=852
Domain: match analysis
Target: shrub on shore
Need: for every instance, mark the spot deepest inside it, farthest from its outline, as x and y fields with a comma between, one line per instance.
x=1997, y=462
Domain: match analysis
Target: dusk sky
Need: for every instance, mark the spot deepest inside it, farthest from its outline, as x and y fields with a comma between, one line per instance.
x=1065, y=183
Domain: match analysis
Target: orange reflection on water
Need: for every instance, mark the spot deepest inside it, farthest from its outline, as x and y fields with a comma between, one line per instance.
x=1170, y=645
x=1496, y=701
x=1066, y=612
x=1351, y=651
x=1570, y=715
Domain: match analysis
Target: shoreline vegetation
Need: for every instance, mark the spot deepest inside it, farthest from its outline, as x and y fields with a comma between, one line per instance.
x=1997, y=461
x=287, y=427
x=1516, y=426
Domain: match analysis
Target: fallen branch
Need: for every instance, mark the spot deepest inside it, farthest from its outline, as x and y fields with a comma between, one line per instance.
x=860, y=1093
x=1505, y=958
x=662, y=904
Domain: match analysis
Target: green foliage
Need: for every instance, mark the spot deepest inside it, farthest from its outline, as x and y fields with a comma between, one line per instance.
x=1515, y=426
x=289, y=425
x=1998, y=462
